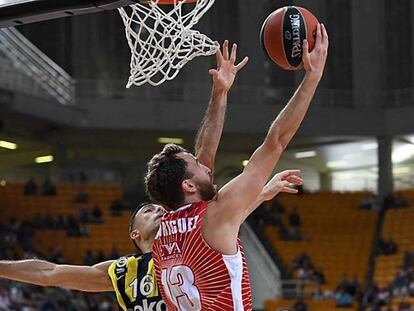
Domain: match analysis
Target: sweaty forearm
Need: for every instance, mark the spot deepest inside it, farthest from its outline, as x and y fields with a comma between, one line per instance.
x=29, y=271
x=290, y=118
x=208, y=137
x=43, y=273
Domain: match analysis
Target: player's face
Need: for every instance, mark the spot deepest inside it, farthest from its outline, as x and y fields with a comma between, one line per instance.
x=201, y=176
x=148, y=220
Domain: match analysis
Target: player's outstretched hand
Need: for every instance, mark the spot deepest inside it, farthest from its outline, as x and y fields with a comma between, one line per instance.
x=314, y=62
x=281, y=182
x=225, y=73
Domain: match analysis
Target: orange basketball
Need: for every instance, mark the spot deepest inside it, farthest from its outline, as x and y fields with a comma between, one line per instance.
x=282, y=35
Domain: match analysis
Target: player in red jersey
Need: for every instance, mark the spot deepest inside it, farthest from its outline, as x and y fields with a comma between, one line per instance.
x=132, y=276
x=198, y=257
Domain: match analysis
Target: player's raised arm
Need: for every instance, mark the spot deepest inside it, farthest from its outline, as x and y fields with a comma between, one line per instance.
x=228, y=211
x=39, y=272
x=209, y=134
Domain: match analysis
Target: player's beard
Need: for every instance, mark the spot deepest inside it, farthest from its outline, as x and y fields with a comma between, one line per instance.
x=207, y=190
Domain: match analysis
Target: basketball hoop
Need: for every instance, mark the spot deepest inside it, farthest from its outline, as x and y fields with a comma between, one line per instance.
x=161, y=38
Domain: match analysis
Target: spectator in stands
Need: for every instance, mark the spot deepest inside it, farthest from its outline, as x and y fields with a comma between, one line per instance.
x=283, y=232
x=371, y=202
x=404, y=306
x=83, y=230
x=114, y=253
x=343, y=299
x=295, y=233
x=48, y=305
x=29, y=253
x=365, y=203
x=300, y=188
x=116, y=208
x=399, y=283
x=48, y=187
x=38, y=221
x=88, y=259
x=5, y=303
x=304, y=274
x=306, y=270
x=96, y=214
x=408, y=259
x=50, y=222
x=354, y=287
x=383, y=296
x=269, y=213
x=25, y=235
x=60, y=223
x=411, y=286
x=72, y=226
x=294, y=218
x=400, y=201
x=302, y=261
x=83, y=215
x=30, y=187
x=318, y=276
x=317, y=293
x=81, y=196
x=100, y=257
x=343, y=282
x=16, y=293
x=92, y=302
x=300, y=305
x=386, y=247
x=368, y=298
x=57, y=256
x=389, y=201
x=82, y=177
x=104, y=304
x=276, y=206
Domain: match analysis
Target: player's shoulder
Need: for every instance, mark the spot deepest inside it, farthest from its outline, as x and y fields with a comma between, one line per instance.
x=188, y=210
x=127, y=259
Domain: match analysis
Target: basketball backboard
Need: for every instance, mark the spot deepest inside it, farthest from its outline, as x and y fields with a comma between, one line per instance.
x=19, y=12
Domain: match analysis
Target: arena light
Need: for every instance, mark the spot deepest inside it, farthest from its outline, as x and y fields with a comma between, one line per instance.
x=44, y=159
x=170, y=140
x=8, y=145
x=344, y=176
x=401, y=170
x=335, y=164
x=402, y=153
x=369, y=146
x=3, y=183
x=305, y=154
x=245, y=162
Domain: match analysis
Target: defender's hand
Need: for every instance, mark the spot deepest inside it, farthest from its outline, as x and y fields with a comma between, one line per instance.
x=281, y=182
x=224, y=75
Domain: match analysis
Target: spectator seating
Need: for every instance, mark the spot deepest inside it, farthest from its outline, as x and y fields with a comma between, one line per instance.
x=114, y=230
x=398, y=226
x=337, y=236
x=314, y=305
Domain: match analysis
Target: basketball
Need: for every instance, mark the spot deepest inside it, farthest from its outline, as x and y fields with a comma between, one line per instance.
x=282, y=35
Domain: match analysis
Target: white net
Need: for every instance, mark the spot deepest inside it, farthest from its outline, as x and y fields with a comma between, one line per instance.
x=162, y=40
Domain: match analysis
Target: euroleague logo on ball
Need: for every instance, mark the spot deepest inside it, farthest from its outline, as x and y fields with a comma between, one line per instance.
x=282, y=35
x=288, y=35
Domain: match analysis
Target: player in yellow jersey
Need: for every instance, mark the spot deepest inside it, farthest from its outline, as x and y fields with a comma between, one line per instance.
x=132, y=277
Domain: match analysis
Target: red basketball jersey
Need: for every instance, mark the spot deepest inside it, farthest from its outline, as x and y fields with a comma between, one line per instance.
x=193, y=276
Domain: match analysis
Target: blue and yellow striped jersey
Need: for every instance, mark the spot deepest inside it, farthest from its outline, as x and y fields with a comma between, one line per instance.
x=134, y=281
